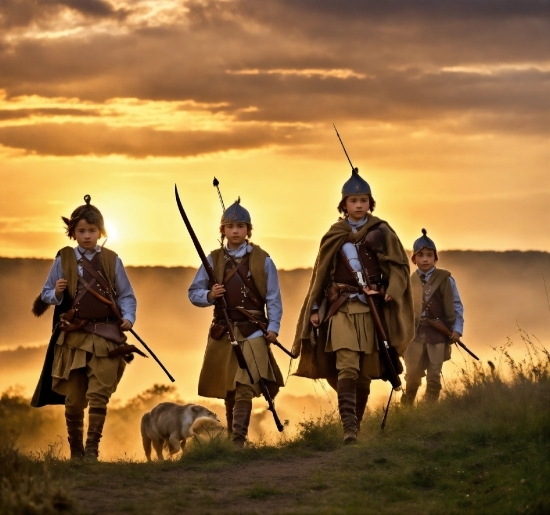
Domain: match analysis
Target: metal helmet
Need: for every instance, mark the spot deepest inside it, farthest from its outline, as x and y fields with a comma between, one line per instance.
x=355, y=185
x=424, y=243
x=235, y=213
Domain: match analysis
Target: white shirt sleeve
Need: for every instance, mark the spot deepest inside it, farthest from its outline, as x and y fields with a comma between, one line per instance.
x=459, y=308
x=48, y=290
x=126, y=299
x=274, y=304
x=198, y=290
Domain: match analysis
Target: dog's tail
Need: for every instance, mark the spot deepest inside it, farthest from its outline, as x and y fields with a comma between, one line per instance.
x=145, y=423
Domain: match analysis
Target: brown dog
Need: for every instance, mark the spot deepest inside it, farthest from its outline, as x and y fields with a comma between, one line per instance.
x=169, y=424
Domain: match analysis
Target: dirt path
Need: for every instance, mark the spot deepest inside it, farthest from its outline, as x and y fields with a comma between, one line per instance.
x=277, y=485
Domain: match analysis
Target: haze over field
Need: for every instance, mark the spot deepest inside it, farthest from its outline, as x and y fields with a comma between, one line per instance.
x=498, y=291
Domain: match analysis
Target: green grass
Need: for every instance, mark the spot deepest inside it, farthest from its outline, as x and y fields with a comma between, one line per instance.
x=483, y=449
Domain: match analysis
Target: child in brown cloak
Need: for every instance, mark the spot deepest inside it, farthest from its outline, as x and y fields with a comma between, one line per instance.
x=335, y=333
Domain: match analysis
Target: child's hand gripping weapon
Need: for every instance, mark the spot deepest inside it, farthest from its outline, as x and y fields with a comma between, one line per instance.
x=111, y=302
x=438, y=325
x=222, y=304
x=263, y=328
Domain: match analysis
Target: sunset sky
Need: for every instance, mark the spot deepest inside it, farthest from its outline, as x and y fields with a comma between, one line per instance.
x=443, y=105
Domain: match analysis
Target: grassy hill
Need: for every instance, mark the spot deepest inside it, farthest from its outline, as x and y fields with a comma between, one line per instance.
x=483, y=449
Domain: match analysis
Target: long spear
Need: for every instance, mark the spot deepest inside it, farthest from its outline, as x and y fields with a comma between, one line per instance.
x=353, y=168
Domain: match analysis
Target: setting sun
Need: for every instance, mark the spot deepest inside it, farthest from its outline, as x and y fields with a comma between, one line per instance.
x=112, y=232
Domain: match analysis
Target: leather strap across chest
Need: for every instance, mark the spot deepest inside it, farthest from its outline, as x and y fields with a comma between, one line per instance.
x=241, y=270
x=97, y=277
x=85, y=264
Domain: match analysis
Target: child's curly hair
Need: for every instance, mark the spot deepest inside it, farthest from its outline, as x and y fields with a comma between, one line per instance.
x=248, y=233
x=342, y=206
x=87, y=212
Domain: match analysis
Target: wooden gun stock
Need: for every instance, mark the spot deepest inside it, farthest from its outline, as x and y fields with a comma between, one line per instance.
x=263, y=328
x=270, y=404
x=442, y=328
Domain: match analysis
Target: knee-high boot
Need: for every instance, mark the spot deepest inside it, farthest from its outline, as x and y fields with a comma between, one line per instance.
x=432, y=392
x=346, y=407
x=75, y=430
x=241, y=420
x=361, y=397
x=96, y=419
x=229, y=405
x=410, y=394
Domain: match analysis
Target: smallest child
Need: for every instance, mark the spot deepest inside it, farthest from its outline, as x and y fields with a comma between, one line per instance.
x=435, y=297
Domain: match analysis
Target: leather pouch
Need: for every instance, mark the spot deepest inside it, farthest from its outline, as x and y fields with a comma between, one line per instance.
x=217, y=331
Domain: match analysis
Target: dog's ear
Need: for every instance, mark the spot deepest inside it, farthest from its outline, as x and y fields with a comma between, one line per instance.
x=196, y=408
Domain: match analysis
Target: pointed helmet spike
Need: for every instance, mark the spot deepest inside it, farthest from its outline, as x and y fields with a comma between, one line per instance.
x=87, y=199
x=424, y=232
x=239, y=200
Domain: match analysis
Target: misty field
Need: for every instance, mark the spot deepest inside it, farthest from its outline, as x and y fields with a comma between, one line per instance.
x=484, y=448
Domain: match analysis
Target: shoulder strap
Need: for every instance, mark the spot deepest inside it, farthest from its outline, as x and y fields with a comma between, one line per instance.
x=84, y=263
x=69, y=268
x=108, y=264
x=236, y=267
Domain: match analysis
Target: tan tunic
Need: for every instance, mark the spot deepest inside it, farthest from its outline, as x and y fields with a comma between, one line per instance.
x=220, y=371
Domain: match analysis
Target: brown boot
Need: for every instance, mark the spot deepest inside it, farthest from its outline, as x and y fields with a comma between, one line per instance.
x=241, y=419
x=96, y=419
x=408, y=397
x=362, y=392
x=75, y=429
x=229, y=405
x=346, y=407
x=432, y=393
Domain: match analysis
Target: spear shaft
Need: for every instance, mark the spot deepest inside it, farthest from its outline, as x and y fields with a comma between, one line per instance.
x=345, y=152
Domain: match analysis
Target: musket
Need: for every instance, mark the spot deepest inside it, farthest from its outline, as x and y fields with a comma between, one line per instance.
x=353, y=168
x=261, y=325
x=442, y=328
x=222, y=305
x=114, y=308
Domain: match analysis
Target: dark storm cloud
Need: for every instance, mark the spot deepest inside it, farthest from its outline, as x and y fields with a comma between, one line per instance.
x=400, y=47
x=21, y=13
x=79, y=139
